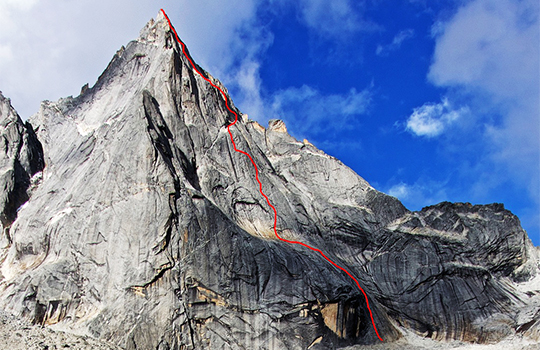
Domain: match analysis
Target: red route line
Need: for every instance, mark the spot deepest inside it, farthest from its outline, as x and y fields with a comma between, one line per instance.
x=260, y=184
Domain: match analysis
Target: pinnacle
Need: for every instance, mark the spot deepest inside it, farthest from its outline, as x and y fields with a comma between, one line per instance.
x=154, y=29
x=7, y=112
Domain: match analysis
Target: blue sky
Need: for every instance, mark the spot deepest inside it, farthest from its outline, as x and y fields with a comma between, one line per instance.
x=427, y=100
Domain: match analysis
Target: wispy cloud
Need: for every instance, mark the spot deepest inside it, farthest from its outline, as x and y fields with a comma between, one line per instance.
x=312, y=112
x=384, y=50
x=330, y=17
x=400, y=190
x=334, y=20
x=488, y=55
x=417, y=195
x=490, y=49
x=431, y=119
x=248, y=82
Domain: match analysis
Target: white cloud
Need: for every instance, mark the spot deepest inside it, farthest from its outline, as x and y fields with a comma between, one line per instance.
x=490, y=51
x=492, y=45
x=400, y=191
x=432, y=119
x=249, y=82
x=400, y=37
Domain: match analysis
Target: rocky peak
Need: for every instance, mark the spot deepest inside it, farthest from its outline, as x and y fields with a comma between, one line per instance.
x=156, y=31
x=148, y=230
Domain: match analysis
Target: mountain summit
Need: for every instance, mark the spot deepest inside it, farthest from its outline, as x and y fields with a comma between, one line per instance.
x=128, y=216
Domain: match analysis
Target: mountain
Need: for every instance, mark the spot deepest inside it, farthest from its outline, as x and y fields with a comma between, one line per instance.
x=129, y=217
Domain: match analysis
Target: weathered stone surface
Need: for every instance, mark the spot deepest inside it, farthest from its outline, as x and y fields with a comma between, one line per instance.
x=148, y=230
x=21, y=157
x=16, y=334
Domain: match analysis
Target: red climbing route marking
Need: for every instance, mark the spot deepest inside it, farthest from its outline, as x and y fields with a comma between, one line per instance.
x=257, y=176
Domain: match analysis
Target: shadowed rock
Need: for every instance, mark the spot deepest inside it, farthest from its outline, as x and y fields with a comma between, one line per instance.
x=21, y=157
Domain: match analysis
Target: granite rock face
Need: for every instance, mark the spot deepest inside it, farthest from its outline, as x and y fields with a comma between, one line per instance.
x=144, y=228
x=21, y=157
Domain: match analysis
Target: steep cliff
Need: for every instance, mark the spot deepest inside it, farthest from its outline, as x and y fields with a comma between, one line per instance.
x=21, y=157
x=139, y=224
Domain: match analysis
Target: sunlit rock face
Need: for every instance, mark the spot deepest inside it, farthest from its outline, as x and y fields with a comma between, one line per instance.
x=129, y=217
